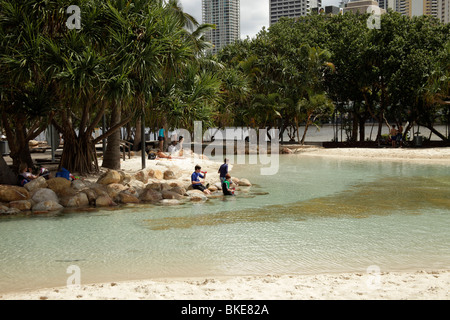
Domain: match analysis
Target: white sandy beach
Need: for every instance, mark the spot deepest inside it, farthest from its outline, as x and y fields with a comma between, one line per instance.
x=411, y=285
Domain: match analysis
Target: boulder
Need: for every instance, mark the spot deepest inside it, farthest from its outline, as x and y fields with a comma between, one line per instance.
x=13, y=193
x=91, y=195
x=33, y=143
x=44, y=194
x=286, y=151
x=169, y=175
x=22, y=205
x=244, y=183
x=104, y=201
x=127, y=198
x=40, y=182
x=114, y=189
x=78, y=185
x=47, y=205
x=171, y=202
x=124, y=177
x=151, y=173
x=157, y=174
x=235, y=180
x=142, y=176
x=59, y=185
x=150, y=195
x=111, y=176
x=166, y=194
x=136, y=187
x=8, y=211
x=213, y=188
x=194, y=191
x=153, y=186
x=218, y=185
x=195, y=197
x=179, y=190
x=79, y=200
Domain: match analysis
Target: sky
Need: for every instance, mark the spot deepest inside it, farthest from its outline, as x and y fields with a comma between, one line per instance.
x=254, y=14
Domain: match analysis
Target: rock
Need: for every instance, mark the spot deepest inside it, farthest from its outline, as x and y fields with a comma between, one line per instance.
x=124, y=177
x=218, y=185
x=157, y=174
x=136, y=187
x=60, y=185
x=104, y=201
x=78, y=185
x=142, y=176
x=114, y=189
x=40, y=182
x=244, y=183
x=154, y=186
x=286, y=151
x=22, y=205
x=79, y=200
x=127, y=198
x=44, y=194
x=194, y=191
x=179, y=190
x=100, y=190
x=169, y=175
x=111, y=176
x=235, y=180
x=47, y=205
x=13, y=193
x=91, y=195
x=150, y=195
x=166, y=194
x=33, y=143
x=8, y=211
x=165, y=186
x=171, y=202
x=151, y=173
x=213, y=188
x=198, y=197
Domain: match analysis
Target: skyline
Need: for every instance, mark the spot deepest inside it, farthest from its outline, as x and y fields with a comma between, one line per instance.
x=254, y=14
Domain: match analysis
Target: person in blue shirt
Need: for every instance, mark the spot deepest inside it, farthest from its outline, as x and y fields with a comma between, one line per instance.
x=196, y=182
x=223, y=170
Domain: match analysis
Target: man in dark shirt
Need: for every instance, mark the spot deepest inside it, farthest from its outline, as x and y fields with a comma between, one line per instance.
x=223, y=170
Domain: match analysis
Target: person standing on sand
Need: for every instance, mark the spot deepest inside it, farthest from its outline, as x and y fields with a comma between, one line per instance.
x=393, y=134
x=400, y=134
x=223, y=171
x=161, y=139
x=195, y=180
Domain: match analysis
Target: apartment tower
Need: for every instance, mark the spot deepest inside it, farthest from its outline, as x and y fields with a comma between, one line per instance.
x=291, y=8
x=225, y=14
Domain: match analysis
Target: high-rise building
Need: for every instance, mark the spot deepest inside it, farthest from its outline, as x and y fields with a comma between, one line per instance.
x=291, y=8
x=386, y=4
x=444, y=10
x=225, y=14
x=361, y=6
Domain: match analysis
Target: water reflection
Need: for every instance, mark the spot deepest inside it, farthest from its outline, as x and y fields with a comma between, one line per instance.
x=380, y=197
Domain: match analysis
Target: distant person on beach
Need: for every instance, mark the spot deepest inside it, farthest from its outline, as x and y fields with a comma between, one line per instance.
x=399, y=137
x=161, y=138
x=195, y=180
x=176, y=148
x=226, y=186
x=223, y=170
x=393, y=134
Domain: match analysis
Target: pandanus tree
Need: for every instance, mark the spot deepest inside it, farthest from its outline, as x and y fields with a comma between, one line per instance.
x=27, y=101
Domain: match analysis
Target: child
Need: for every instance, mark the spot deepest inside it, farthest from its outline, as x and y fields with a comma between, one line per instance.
x=226, y=186
x=25, y=174
x=195, y=180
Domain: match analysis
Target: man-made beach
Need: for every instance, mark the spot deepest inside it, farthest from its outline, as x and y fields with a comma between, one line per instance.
x=366, y=284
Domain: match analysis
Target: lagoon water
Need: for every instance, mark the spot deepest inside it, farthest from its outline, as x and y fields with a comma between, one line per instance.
x=315, y=215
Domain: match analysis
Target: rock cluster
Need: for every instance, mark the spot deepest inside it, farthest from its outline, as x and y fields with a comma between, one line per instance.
x=112, y=188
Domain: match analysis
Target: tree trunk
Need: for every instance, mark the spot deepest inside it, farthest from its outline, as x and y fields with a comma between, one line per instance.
x=7, y=176
x=111, y=158
x=298, y=134
x=79, y=154
x=434, y=131
x=362, y=129
x=306, y=128
x=137, y=136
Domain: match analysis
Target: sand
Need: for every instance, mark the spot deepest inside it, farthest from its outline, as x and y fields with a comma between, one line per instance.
x=410, y=285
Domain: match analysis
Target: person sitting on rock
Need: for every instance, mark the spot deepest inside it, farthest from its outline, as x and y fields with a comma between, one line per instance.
x=195, y=180
x=25, y=174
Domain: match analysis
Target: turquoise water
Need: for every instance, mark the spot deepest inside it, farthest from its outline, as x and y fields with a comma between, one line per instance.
x=314, y=216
